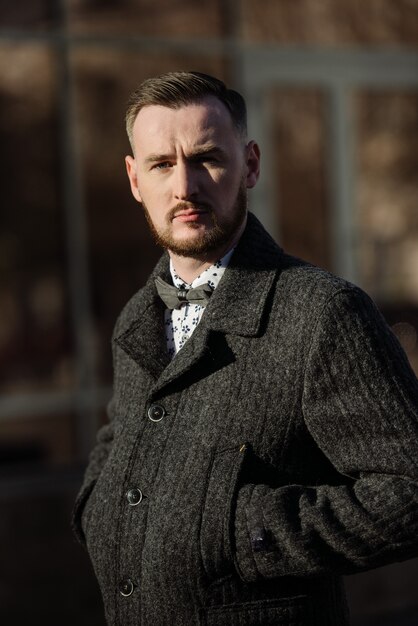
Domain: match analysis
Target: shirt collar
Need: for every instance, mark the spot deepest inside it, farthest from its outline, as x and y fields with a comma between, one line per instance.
x=212, y=275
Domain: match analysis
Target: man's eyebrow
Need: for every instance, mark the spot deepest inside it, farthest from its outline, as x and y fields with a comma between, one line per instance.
x=156, y=157
x=204, y=150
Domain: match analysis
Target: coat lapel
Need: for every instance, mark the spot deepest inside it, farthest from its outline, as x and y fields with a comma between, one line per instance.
x=237, y=307
x=144, y=339
x=239, y=303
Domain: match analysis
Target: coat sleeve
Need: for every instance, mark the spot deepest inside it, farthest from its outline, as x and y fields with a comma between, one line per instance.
x=360, y=405
x=97, y=459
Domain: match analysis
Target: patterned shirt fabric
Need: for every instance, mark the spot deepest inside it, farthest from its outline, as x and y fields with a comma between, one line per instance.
x=180, y=323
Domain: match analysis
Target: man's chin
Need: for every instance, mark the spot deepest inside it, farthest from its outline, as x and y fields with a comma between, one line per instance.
x=191, y=246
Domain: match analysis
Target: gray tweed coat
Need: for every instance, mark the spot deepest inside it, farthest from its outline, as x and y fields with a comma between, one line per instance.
x=277, y=451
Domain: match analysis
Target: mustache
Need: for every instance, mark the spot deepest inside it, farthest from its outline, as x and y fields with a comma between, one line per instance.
x=187, y=206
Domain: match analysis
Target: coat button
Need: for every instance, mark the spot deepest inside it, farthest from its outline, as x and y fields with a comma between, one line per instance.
x=259, y=540
x=156, y=412
x=134, y=496
x=126, y=587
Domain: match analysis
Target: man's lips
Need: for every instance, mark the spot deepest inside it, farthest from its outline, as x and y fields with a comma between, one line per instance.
x=189, y=215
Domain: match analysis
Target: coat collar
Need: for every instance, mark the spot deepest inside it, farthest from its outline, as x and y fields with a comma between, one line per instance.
x=238, y=303
x=143, y=338
x=236, y=307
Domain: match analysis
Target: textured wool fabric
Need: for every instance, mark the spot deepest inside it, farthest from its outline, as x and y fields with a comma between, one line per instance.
x=276, y=452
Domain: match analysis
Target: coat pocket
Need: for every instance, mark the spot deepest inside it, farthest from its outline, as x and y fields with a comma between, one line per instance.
x=286, y=611
x=78, y=510
x=217, y=526
x=103, y=456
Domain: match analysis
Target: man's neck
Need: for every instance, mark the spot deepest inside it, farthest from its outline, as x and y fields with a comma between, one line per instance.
x=189, y=268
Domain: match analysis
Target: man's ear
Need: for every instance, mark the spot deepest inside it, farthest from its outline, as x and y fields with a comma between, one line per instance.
x=252, y=153
x=131, y=170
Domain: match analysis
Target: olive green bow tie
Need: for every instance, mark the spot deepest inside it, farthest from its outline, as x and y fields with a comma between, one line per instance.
x=173, y=297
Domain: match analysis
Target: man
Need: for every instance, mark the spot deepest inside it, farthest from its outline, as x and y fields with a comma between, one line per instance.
x=262, y=439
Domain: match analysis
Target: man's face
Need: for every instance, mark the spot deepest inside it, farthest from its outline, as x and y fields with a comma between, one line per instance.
x=190, y=172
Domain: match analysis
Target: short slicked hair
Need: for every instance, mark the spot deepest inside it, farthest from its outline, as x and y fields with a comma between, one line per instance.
x=177, y=89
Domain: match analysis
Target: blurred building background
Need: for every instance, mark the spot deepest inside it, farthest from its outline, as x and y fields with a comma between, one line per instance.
x=332, y=89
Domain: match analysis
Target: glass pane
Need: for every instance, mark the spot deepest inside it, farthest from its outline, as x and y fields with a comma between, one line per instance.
x=387, y=215
x=122, y=253
x=33, y=14
x=333, y=23
x=176, y=18
x=298, y=122
x=37, y=440
x=35, y=345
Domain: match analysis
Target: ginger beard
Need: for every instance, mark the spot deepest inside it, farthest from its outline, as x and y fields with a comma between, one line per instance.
x=218, y=236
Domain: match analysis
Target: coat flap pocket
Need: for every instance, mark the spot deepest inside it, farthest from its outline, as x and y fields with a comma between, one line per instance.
x=217, y=531
x=285, y=611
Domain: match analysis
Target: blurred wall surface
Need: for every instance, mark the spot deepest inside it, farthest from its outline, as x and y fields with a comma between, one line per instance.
x=332, y=91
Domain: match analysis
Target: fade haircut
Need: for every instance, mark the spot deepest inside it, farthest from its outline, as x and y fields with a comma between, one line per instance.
x=177, y=89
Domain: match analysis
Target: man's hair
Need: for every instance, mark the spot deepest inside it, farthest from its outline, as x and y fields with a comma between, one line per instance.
x=177, y=89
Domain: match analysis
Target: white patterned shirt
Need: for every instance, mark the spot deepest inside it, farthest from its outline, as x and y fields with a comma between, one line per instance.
x=180, y=323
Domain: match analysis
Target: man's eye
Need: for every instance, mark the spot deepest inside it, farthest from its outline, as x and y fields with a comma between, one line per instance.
x=161, y=166
x=206, y=158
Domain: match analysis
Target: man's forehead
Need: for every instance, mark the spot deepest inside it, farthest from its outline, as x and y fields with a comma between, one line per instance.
x=208, y=116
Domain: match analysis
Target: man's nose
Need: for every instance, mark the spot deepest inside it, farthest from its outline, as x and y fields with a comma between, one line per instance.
x=185, y=181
